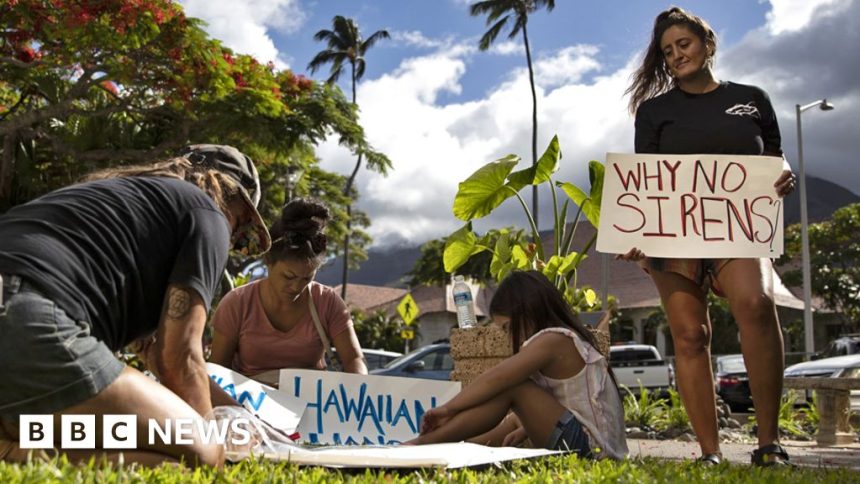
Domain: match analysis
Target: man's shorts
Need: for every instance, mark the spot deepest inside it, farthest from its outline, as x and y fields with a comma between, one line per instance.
x=569, y=434
x=703, y=272
x=48, y=361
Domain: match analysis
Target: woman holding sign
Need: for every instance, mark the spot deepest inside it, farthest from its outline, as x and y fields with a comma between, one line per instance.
x=682, y=109
x=287, y=320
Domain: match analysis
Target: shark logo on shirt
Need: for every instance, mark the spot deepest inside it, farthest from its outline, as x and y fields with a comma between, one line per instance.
x=747, y=109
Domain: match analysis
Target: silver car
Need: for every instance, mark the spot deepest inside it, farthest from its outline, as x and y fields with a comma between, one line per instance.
x=836, y=367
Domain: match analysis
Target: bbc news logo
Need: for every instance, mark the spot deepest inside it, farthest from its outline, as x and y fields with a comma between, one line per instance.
x=121, y=432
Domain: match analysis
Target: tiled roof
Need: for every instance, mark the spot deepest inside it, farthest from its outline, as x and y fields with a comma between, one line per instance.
x=371, y=298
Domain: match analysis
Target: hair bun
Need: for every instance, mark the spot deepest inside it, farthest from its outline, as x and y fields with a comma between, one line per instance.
x=301, y=216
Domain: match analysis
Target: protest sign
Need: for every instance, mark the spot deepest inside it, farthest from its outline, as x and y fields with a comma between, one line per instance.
x=343, y=408
x=278, y=409
x=691, y=206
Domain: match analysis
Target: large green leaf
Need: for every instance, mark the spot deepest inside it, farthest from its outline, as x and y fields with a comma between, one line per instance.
x=596, y=172
x=570, y=263
x=460, y=245
x=540, y=172
x=589, y=208
x=519, y=258
x=501, y=253
x=485, y=190
x=550, y=269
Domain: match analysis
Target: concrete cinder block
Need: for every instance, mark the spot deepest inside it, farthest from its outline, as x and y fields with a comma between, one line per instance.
x=486, y=341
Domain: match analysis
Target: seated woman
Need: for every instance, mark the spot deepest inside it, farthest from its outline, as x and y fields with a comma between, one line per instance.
x=269, y=324
x=558, y=385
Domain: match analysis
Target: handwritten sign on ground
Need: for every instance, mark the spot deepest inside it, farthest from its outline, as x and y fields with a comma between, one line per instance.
x=280, y=410
x=697, y=206
x=344, y=409
x=448, y=456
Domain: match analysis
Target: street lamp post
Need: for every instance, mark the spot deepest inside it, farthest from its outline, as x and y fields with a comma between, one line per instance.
x=294, y=174
x=809, y=340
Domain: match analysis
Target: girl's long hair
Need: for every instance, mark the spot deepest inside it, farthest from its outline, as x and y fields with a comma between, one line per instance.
x=653, y=78
x=220, y=188
x=533, y=304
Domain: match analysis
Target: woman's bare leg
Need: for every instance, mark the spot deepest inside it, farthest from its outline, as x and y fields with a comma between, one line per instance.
x=748, y=286
x=134, y=393
x=687, y=312
x=537, y=409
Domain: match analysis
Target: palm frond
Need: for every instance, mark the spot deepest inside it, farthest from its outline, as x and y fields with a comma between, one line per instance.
x=359, y=68
x=324, y=57
x=367, y=44
x=518, y=26
x=490, y=35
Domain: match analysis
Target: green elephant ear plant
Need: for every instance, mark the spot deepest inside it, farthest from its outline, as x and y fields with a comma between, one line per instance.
x=492, y=184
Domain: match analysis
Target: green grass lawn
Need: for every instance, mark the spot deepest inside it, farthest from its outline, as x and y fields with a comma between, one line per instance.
x=547, y=470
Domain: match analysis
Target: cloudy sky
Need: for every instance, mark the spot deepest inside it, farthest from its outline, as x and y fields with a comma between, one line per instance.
x=439, y=108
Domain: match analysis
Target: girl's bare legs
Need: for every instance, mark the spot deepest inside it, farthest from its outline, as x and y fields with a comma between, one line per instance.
x=537, y=409
x=687, y=312
x=748, y=286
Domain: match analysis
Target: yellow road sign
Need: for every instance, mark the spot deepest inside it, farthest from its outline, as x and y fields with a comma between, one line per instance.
x=407, y=334
x=408, y=310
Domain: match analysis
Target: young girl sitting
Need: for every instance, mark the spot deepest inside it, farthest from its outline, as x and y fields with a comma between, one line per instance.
x=557, y=383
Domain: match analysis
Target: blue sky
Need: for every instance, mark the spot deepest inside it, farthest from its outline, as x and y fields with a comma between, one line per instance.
x=440, y=109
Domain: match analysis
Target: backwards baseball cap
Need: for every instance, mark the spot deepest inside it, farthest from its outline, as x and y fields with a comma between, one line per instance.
x=253, y=238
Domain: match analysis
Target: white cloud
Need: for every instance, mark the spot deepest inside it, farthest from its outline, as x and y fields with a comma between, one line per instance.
x=566, y=66
x=793, y=15
x=415, y=38
x=508, y=47
x=435, y=145
x=244, y=26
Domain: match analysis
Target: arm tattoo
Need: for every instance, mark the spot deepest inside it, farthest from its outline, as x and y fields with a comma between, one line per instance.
x=178, y=303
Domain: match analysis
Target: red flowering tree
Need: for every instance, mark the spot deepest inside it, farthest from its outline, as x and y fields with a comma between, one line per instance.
x=90, y=83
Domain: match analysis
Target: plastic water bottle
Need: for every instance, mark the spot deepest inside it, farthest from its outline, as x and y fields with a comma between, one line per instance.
x=463, y=301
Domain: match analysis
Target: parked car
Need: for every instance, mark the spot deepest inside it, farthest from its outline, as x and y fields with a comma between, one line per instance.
x=433, y=362
x=837, y=367
x=732, y=382
x=844, y=345
x=374, y=359
x=638, y=365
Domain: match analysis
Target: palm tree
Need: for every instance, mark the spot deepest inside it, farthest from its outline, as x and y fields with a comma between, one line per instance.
x=345, y=45
x=499, y=12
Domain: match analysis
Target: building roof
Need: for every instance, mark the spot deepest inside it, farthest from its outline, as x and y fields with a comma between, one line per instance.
x=371, y=298
x=430, y=299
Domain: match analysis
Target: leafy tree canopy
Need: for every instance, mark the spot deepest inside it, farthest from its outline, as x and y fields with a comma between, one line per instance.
x=834, y=255
x=90, y=84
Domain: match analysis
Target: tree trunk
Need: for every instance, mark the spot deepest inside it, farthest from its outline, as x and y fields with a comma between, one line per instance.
x=346, y=191
x=7, y=165
x=534, y=125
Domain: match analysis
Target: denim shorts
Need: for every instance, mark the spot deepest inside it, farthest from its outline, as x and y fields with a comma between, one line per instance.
x=48, y=360
x=569, y=434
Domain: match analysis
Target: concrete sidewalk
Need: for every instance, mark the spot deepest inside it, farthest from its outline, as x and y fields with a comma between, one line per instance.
x=805, y=454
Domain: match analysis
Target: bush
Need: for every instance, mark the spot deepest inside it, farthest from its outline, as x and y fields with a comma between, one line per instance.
x=643, y=412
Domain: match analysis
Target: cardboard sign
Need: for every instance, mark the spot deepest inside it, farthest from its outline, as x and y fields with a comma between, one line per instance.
x=343, y=408
x=278, y=409
x=691, y=206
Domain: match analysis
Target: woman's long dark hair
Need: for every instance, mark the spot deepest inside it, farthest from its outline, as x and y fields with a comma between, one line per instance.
x=653, y=77
x=298, y=233
x=534, y=304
